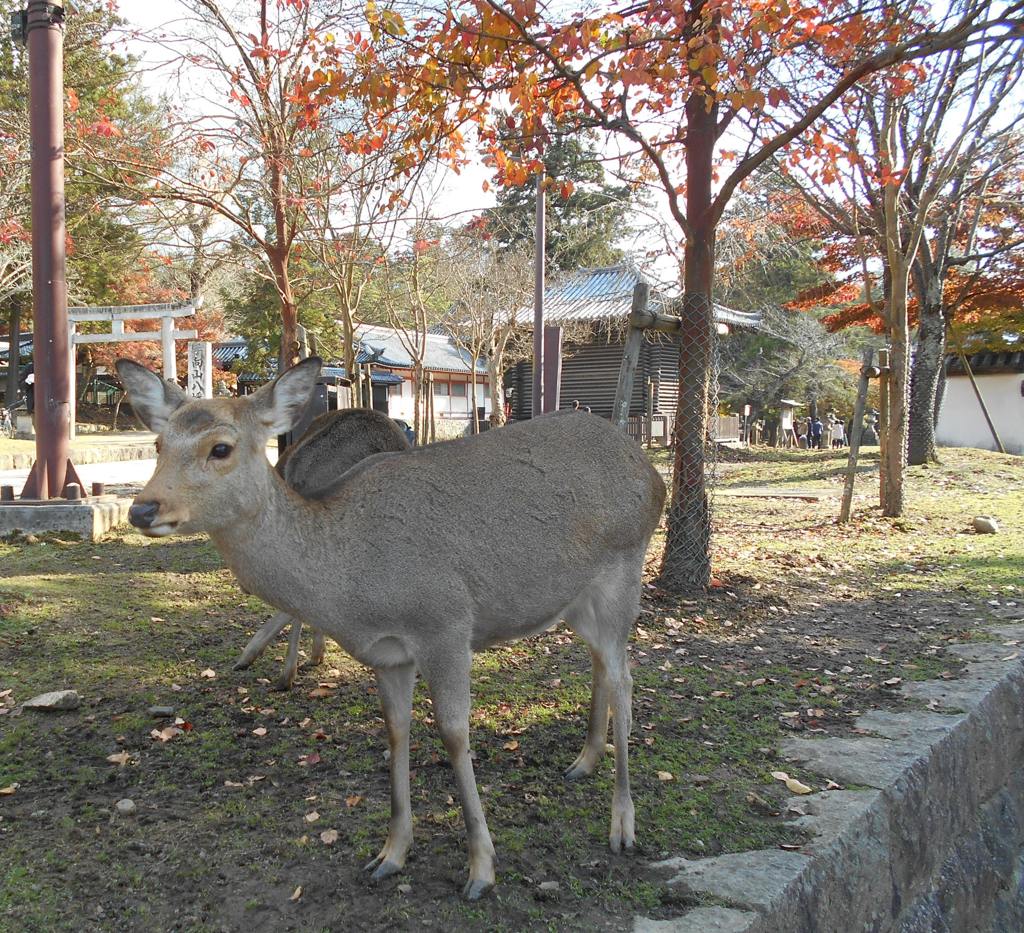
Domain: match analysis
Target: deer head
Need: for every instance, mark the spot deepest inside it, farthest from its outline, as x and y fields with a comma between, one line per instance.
x=211, y=453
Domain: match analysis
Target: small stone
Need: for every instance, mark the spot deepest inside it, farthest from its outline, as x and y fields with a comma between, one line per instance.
x=548, y=888
x=55, y=700
x=125, y=807
x=161, y=712
x=405, y=889
x=985, y=525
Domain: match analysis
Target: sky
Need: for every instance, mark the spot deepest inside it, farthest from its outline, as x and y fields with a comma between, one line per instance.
x=453, y=195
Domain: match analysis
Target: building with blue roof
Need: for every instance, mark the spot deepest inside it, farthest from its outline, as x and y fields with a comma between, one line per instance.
x=593, y=305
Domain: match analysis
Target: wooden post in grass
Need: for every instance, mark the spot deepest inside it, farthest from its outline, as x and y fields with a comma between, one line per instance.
x=631, y=354
x=883, y=427
x=855, y=432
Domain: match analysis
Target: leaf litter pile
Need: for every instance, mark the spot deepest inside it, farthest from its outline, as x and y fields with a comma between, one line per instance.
x=183, y=795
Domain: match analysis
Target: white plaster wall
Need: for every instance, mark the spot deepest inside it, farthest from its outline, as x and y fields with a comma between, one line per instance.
x=961, y=422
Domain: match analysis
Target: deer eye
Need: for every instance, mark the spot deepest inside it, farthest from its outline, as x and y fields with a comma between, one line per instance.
x=220, y=451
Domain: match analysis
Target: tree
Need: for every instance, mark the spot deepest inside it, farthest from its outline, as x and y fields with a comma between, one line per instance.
x=669, y=81
x=585, y=215
x=489, y=286
x=906, y=193
x=250, y=149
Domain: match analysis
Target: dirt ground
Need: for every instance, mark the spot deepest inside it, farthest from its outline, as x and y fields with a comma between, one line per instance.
x=808, y=625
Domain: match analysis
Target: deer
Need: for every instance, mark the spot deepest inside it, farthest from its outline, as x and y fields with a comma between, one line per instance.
x=333, y=443
x=563, y=507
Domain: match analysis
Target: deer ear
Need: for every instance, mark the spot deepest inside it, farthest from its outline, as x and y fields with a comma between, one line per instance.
x=153, y=399
x=280, y=405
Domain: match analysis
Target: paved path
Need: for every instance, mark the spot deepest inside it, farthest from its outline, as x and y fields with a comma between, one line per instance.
x=120, y=473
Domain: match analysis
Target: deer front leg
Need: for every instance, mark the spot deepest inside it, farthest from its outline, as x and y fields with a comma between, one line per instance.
x=449, y=690
x=395, y=686
x=258, y=643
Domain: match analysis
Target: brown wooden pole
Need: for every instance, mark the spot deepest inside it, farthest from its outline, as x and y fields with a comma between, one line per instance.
x=855, y=434
x=51, y=342
x=539, y=388
x=883, y=427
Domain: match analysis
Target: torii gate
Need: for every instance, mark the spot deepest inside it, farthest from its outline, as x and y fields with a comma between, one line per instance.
x=165, y=313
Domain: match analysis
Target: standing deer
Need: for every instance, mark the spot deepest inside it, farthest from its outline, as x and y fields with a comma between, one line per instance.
x=332, y=444
x=561, y=509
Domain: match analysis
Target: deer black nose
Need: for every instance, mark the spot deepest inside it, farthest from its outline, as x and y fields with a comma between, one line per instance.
x=141, y=514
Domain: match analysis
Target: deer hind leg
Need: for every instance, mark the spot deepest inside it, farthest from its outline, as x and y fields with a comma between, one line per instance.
x=319, y=647
x=597, y=726
x=291, y=661
x=447, y=676
x=603, y=617
x=258, y=643
x=395, y=686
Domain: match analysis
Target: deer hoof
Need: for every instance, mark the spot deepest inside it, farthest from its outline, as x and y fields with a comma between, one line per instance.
x=382, y=868
x=476, y=888
x=283, y=683
x=578, y=770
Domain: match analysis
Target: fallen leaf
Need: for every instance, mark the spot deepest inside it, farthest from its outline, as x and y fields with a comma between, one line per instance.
x=8, y=790
x=796, y=787
x=307, y=761
x=832, y=785
x=233, y=784
x=510, y=746
x=892, y=681
x=121, y=758
x=165, y=735
x=209, y=673
x=305, y=722
x=665, y=776
x=352, y=800
x=758, y=682
x=780, y=775
x=312, y=816
x=329, y=836
x=156, y=619
x=260, y=731
x=789, y=847
x=318, y=693
x=296, y=894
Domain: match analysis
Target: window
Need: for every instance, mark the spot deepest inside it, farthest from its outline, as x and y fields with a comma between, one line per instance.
x=442, y=388
x=459, y=389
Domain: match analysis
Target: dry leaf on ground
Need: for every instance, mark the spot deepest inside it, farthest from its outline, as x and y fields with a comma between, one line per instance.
x=329, y=836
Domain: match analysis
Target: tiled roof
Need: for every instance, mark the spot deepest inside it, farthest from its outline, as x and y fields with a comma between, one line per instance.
x=606, y=294
x=987, y=363
x=441, y=355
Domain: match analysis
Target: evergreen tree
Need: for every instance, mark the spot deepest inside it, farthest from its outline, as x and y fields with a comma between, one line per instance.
x=584, y=219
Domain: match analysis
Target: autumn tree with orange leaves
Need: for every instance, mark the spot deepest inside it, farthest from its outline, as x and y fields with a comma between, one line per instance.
x=901, y=173
x=689, y=89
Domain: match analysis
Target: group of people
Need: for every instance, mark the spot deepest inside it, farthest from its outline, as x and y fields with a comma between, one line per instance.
x=817, y=433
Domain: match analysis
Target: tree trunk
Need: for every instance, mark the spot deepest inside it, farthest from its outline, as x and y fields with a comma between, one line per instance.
x=686, y=566
x=929, y=351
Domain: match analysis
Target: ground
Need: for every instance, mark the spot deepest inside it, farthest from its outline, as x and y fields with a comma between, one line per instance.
x=808, y=624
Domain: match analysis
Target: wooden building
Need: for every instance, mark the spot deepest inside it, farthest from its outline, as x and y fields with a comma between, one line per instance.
x=593, y=305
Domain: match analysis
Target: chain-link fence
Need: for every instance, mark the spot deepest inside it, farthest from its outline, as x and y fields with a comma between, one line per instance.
x=695, y=434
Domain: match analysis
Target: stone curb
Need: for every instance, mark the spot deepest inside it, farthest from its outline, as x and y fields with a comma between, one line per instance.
x=111, y=453
x=934, y=843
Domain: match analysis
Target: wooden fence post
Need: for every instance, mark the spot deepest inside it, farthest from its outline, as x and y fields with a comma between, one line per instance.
x=883, y=427
x=855, y=433
x=630, y=356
